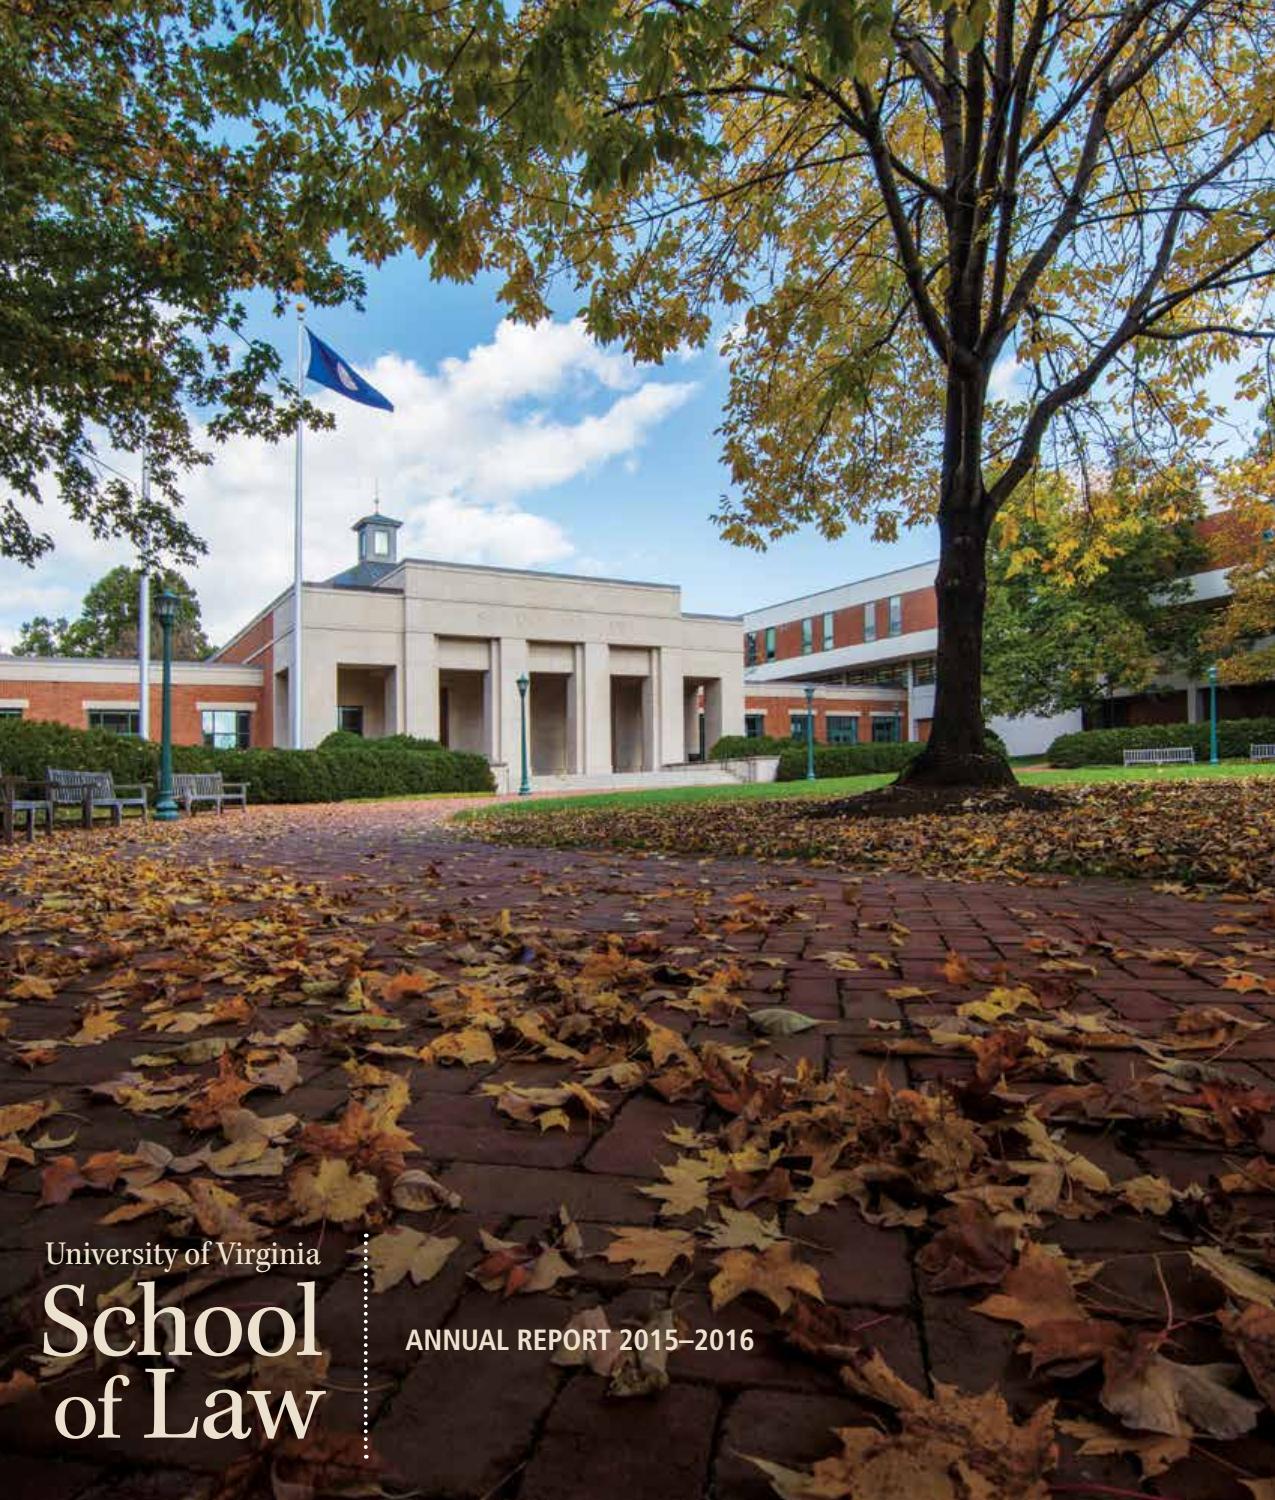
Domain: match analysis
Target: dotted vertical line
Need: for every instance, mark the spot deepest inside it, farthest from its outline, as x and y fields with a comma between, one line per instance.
x=367, y=1283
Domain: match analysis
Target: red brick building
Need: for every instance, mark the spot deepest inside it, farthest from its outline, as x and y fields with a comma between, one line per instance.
x=868, y=650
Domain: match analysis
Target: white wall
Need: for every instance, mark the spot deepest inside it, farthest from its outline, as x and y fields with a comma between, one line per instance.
x=1032, y=734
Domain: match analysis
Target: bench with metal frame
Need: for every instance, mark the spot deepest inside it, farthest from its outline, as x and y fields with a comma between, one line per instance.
x=89, y=790
x=191, y=787
x=1161, y=755
x=1261, y=752
x=14, y=806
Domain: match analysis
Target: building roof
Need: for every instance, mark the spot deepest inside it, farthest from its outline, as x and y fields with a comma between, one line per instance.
x=365, y=574
x=377, y=519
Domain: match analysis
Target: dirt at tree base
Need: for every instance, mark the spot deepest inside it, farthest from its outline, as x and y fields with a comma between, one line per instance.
x=902, y=801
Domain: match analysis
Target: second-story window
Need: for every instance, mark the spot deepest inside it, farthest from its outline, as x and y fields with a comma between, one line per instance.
x=896, y=614
x=807, y=636
x=870, y=622
x=770, y=643
x=750, y=648
x=829, y=634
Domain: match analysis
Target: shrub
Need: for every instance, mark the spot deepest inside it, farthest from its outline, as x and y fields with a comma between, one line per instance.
x=327, y=776
x=28, y=747
x=345, y=739
x=1106, y=747
x=993, y=741
x=845, y=760
x=740, y=746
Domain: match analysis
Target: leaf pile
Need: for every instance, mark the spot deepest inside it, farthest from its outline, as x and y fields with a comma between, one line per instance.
x=1208, y=832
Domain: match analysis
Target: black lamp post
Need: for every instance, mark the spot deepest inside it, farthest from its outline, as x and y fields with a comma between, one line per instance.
x=166, y=803
x=810, y=733
x=524, y=787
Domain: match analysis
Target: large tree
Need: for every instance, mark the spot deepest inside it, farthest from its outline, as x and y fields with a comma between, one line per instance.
x=148, y=183
x=1242, y=636
x=1090, y=593
x=107, y=623
x=957, y=242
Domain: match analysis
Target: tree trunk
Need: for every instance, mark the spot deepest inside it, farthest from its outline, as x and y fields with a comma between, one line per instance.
x=957, y=754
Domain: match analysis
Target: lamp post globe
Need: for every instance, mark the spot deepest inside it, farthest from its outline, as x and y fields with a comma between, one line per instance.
x=524, y=786
x=166, y=803
x=810, y=733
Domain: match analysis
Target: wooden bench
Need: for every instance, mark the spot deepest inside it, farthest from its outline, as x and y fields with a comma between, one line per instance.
x=191, y=787
x=89, y=790
x=1161, y=755
x=15, y=805
x=1261, y=752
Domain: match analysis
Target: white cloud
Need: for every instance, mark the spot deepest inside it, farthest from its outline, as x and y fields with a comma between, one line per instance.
x=457, y=461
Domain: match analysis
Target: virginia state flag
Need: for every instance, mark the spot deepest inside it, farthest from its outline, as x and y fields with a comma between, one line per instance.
x=328, y=368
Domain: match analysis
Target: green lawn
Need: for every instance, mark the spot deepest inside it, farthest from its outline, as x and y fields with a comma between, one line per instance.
x=848, y=785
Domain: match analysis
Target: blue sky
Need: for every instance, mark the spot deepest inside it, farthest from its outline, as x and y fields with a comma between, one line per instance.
x=515, y=446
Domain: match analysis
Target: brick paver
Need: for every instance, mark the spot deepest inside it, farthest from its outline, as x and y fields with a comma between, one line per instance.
x=481, y=1425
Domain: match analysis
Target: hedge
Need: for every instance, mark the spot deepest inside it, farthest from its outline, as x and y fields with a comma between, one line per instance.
x=846, y=760
x=741, y=746
x=346, y=739
x=1106, y=747
x=28, y=747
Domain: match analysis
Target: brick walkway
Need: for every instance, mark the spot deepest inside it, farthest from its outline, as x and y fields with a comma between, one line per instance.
x=515, y=1425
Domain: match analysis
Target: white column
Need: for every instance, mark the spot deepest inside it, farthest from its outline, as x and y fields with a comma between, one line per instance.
x=671, y=739
x=510, y=663
x=575, y=713
x=732, y=706
x=596, y=710
x=713, y=724
x=420, y=688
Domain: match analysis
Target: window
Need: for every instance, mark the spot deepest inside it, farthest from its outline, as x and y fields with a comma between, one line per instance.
x=350, y=718
x=226, y=728
x=843, y=729
x=380, y=543
x=894, y=675
x=750, y=648
x=115, y=720
x=770, y=643
x=869, y=622
x=887, y=729
x=807, y=636
x=924, y=670
x=755, y=726
x=10, y=713
x=896, y=614
x=828, y=631
x=797, y=725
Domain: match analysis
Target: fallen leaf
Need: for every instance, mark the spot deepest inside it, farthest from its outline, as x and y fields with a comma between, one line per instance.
x=1154, y=1454
x=1245, y=1284
x=1154, y=1394
x=331, y=1191
x=773, y=1274
x=651, y=1251
x=401, y=1252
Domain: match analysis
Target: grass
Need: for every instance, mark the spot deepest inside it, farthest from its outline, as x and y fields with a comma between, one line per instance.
x=845, y=786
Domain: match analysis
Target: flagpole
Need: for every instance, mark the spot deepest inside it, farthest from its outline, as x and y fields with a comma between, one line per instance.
x=144, y=621
x=296, y=679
